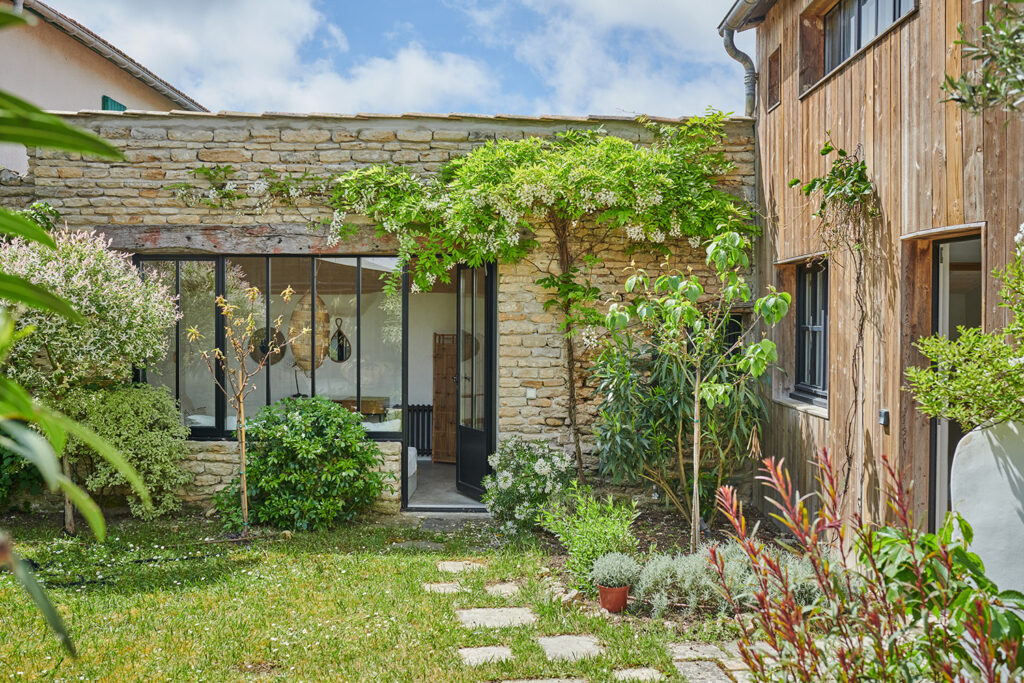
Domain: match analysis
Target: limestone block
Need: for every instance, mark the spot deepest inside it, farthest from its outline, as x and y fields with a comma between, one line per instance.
x=190, y=134
x=305, y=135
x=149, y=133
x=418, y=135
x=224, y=156
x=371, y=156
x=230, y=135
x=371, y=135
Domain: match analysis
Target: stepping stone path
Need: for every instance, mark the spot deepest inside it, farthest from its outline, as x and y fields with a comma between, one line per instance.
x=495, y=617
x=645, y=674
x=444, y=588
x=475, y=656
x=502, y=590
x=570, y=648
x=696, y=662
x=459, y=566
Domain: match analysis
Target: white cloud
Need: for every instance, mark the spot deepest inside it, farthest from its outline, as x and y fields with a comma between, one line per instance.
x=246, y=55
x=615, y=57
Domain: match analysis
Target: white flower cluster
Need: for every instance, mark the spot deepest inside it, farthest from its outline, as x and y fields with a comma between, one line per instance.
x=635, y=233
x=589, y=337
x=526, y=475
x=1019, y=239
x=258, y=187
x=647, y=199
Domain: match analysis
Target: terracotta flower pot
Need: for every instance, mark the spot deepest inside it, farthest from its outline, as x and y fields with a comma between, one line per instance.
x=613, y=599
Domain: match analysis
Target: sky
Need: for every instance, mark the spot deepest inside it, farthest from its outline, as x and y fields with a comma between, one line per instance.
x=569, y=57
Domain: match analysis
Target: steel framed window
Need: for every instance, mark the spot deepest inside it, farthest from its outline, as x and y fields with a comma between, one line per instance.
x=812, y=333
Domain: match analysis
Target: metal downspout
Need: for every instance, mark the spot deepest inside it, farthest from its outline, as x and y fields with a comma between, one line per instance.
x=749, y=73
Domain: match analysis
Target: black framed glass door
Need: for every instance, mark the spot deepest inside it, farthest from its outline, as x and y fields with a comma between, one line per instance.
x=475, y=351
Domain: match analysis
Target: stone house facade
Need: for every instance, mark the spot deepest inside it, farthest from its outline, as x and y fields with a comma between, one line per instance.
x=519, y=386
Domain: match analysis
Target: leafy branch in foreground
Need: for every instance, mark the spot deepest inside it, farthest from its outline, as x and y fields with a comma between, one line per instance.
x=26, y=124
x=998, y=55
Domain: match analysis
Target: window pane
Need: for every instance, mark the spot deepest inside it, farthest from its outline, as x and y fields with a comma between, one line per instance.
x=239, y=275
x=869, y=21
x=197, y=391
x=467, y=352
x=164, y=373
x=337, y=284
x=904, y=6
x=293, y=374
x=479, y=369
x=381, y=347
x=833, y=40
x=849, y=21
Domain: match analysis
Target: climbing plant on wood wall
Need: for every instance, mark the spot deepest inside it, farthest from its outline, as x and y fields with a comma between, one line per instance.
x=847, y=207
x=580, y=189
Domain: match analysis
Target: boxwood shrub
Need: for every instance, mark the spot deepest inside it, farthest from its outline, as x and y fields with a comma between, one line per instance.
x=309, y=466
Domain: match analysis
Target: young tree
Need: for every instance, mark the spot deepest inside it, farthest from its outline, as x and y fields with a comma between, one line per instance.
x=121, y=325
x=574, y=193
x=237, y=363
x=682, y=326
x=998, y=52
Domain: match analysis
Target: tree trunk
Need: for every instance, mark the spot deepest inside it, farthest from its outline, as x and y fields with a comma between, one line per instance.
x=69, y=509
x=561, y=231
x=241, y=454
x=695, y=515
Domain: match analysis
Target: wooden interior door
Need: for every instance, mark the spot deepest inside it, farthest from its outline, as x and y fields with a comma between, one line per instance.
x=445, y=371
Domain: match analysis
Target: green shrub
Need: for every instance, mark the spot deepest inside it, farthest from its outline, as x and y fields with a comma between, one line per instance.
x=692, y=583
x=309, y=466
x=144, y=423
x=16, y=476
x=589, y=528
x=615, y=570
x=527, y=474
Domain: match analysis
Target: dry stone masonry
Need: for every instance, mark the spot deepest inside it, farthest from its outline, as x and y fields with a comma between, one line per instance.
x=129, y=201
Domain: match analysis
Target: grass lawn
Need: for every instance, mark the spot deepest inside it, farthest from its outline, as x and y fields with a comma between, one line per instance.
x=157, y=603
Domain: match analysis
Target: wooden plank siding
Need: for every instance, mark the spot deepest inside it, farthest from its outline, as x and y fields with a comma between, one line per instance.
x=933, y=166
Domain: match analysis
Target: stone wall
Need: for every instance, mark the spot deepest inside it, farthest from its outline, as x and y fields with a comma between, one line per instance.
x=130, y=202
x=216, y=463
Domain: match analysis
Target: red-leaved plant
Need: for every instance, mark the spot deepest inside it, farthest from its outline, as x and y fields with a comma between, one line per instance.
x=896, y=604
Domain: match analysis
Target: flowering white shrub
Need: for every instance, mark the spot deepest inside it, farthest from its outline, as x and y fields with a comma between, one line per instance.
x=124, y=319
x=526, y=475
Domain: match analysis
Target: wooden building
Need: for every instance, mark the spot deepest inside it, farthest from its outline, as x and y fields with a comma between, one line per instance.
x=950, y=191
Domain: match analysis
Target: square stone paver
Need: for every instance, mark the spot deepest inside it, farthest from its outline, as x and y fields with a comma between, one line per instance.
x=693, y=650
x=570, y=648
x=502, y=590
x=495, y=617
x=443, y=588
x=459, y=566
x=702, y=672
x=644, y=674
x=475, y=656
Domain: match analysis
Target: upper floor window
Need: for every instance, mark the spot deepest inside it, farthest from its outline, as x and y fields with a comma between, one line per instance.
x=812, y=332
x=773, y=90
x=110, y=104
x=852, y=24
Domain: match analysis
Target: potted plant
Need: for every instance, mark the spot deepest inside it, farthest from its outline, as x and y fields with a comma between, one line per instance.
x=614, y=573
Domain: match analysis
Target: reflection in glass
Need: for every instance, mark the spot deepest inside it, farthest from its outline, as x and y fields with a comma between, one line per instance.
x=479, y=300
x=337, y=286
x=380, y=348
x=196, y=390
x=292, y=376
x=164, y=373
x=239, y=275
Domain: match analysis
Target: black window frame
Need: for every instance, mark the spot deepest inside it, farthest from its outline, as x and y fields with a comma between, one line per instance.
x=219, y=432
x=856, y=35
x=812, y=332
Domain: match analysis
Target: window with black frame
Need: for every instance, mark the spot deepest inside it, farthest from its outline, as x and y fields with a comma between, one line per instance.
x=352, y=352
x=852, y=24
x=812, y=333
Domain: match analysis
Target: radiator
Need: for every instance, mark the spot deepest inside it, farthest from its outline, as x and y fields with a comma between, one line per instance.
x=421, y=427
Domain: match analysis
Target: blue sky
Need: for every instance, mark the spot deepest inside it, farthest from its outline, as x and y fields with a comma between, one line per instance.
x=619, y=57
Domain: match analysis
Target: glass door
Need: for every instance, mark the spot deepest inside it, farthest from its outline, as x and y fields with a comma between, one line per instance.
x=475, y=354
x=957, y=305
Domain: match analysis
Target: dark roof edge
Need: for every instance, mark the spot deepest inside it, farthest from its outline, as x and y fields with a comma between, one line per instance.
x=745, y=14
x=111, y=54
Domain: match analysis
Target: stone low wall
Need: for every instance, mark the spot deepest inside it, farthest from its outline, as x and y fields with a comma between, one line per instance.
x=215, y=464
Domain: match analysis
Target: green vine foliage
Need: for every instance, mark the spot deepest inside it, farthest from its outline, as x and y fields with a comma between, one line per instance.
x=220, y=193
x=977, y=377
x=846, y=196
x=998, y=53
